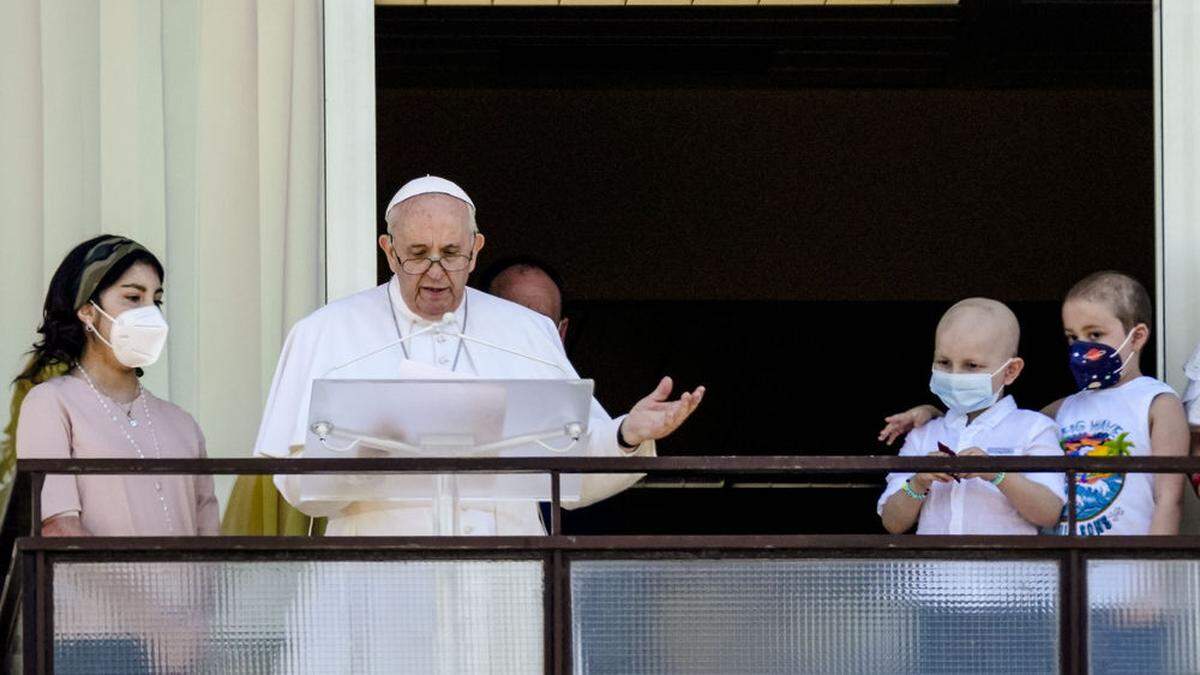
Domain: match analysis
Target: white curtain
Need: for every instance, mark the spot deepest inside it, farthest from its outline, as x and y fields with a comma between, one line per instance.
x=194, y=127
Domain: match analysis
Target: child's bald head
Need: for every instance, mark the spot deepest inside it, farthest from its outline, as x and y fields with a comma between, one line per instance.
x=975, y=355
x=978, y=329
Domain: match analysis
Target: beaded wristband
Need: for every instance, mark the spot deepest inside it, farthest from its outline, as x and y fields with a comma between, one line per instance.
x=913, y=493
x=999, y=478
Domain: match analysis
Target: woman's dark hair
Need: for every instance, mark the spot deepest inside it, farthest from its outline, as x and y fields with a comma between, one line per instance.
x=62, y=332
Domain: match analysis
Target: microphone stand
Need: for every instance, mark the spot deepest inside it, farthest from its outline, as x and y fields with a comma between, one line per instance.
x=451, y=321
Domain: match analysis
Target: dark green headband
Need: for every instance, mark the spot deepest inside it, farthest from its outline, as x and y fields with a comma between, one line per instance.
x=99, y=260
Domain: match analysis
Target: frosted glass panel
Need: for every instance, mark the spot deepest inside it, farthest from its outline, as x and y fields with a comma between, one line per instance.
x=815, y=616
x=299, y=617
x=1144, y=616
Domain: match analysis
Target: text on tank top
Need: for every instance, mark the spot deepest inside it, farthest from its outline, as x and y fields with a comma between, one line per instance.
x=1112, y=422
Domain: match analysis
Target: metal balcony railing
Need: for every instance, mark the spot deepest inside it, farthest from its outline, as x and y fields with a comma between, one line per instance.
x=557, y=552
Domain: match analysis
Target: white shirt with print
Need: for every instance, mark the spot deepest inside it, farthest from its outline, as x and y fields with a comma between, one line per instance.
x=1191, y=395
x=1113, y=422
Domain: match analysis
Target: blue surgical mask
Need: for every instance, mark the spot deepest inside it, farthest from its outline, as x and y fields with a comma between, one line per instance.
x=964, y=393
x=1095, y=365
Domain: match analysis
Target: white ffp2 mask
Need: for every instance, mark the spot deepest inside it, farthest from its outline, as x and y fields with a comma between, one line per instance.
x=138, y=335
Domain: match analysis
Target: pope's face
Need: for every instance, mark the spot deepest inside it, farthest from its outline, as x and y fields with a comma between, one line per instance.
x=431, y=226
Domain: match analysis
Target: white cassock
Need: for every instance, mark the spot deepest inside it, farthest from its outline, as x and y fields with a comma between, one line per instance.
x=370, y=320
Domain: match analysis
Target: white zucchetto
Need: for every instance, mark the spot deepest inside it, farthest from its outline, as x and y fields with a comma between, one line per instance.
x=429, y=185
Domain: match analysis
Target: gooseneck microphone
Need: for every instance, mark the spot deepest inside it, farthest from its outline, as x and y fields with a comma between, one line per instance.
x=448, y=325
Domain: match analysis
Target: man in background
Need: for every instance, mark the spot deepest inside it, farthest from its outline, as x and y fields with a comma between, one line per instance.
x=529, y=282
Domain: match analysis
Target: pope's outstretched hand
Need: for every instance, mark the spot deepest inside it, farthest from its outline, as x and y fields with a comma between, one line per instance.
x=655, y=417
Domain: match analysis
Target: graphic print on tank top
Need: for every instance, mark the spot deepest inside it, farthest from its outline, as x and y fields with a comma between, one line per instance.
x=1096, y=492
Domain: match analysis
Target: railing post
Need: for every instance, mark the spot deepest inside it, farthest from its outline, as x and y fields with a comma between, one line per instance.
x=37, y=480
x=555, y=503
x=1072, y=506
x=29, y=646
x=46, y=604
x=549, y=618
x=37, y=638
x=561, y=628
x=557, y=635
x=1073, y=624
x=16, y=525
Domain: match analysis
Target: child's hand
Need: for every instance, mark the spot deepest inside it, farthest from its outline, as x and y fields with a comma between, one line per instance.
x=901, y=423
x=976, y=452
x=923, y=481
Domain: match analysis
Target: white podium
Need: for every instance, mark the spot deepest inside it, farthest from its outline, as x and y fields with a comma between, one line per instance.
x=444, y=418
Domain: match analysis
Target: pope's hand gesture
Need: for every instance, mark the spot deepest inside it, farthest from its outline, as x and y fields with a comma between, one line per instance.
x=655, y=417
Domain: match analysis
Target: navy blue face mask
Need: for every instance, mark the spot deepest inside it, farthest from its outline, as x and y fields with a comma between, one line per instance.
x=1096, y=365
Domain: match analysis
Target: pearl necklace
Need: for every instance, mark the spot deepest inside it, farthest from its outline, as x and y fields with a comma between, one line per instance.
x=133, y=423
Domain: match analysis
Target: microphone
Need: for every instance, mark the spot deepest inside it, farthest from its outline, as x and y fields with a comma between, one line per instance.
x=386, y=347
x=447, y=326
x=450, y=322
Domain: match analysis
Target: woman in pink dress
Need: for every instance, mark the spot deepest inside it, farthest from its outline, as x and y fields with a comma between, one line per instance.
x=101, y=324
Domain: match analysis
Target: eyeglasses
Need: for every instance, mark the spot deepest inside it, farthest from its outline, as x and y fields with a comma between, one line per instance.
x=451, y=262
x=454, y=262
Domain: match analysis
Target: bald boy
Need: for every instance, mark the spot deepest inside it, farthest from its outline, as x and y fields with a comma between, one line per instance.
x=985, y=328
x=974, y=359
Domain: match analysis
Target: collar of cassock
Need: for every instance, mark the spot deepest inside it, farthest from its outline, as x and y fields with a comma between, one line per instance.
x=403, y=313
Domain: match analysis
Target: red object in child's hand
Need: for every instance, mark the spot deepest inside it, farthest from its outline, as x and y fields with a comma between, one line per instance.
x=1196, y=483
x=945, y=449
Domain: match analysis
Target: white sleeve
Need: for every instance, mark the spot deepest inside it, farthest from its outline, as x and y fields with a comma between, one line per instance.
x=1191, y=396
x=284, y=419
x=913, y=446
x=599, y=486
x=602, y=438
x=1044, y=443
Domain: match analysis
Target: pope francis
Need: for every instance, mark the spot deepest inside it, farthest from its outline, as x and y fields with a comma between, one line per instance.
x=432, y=245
